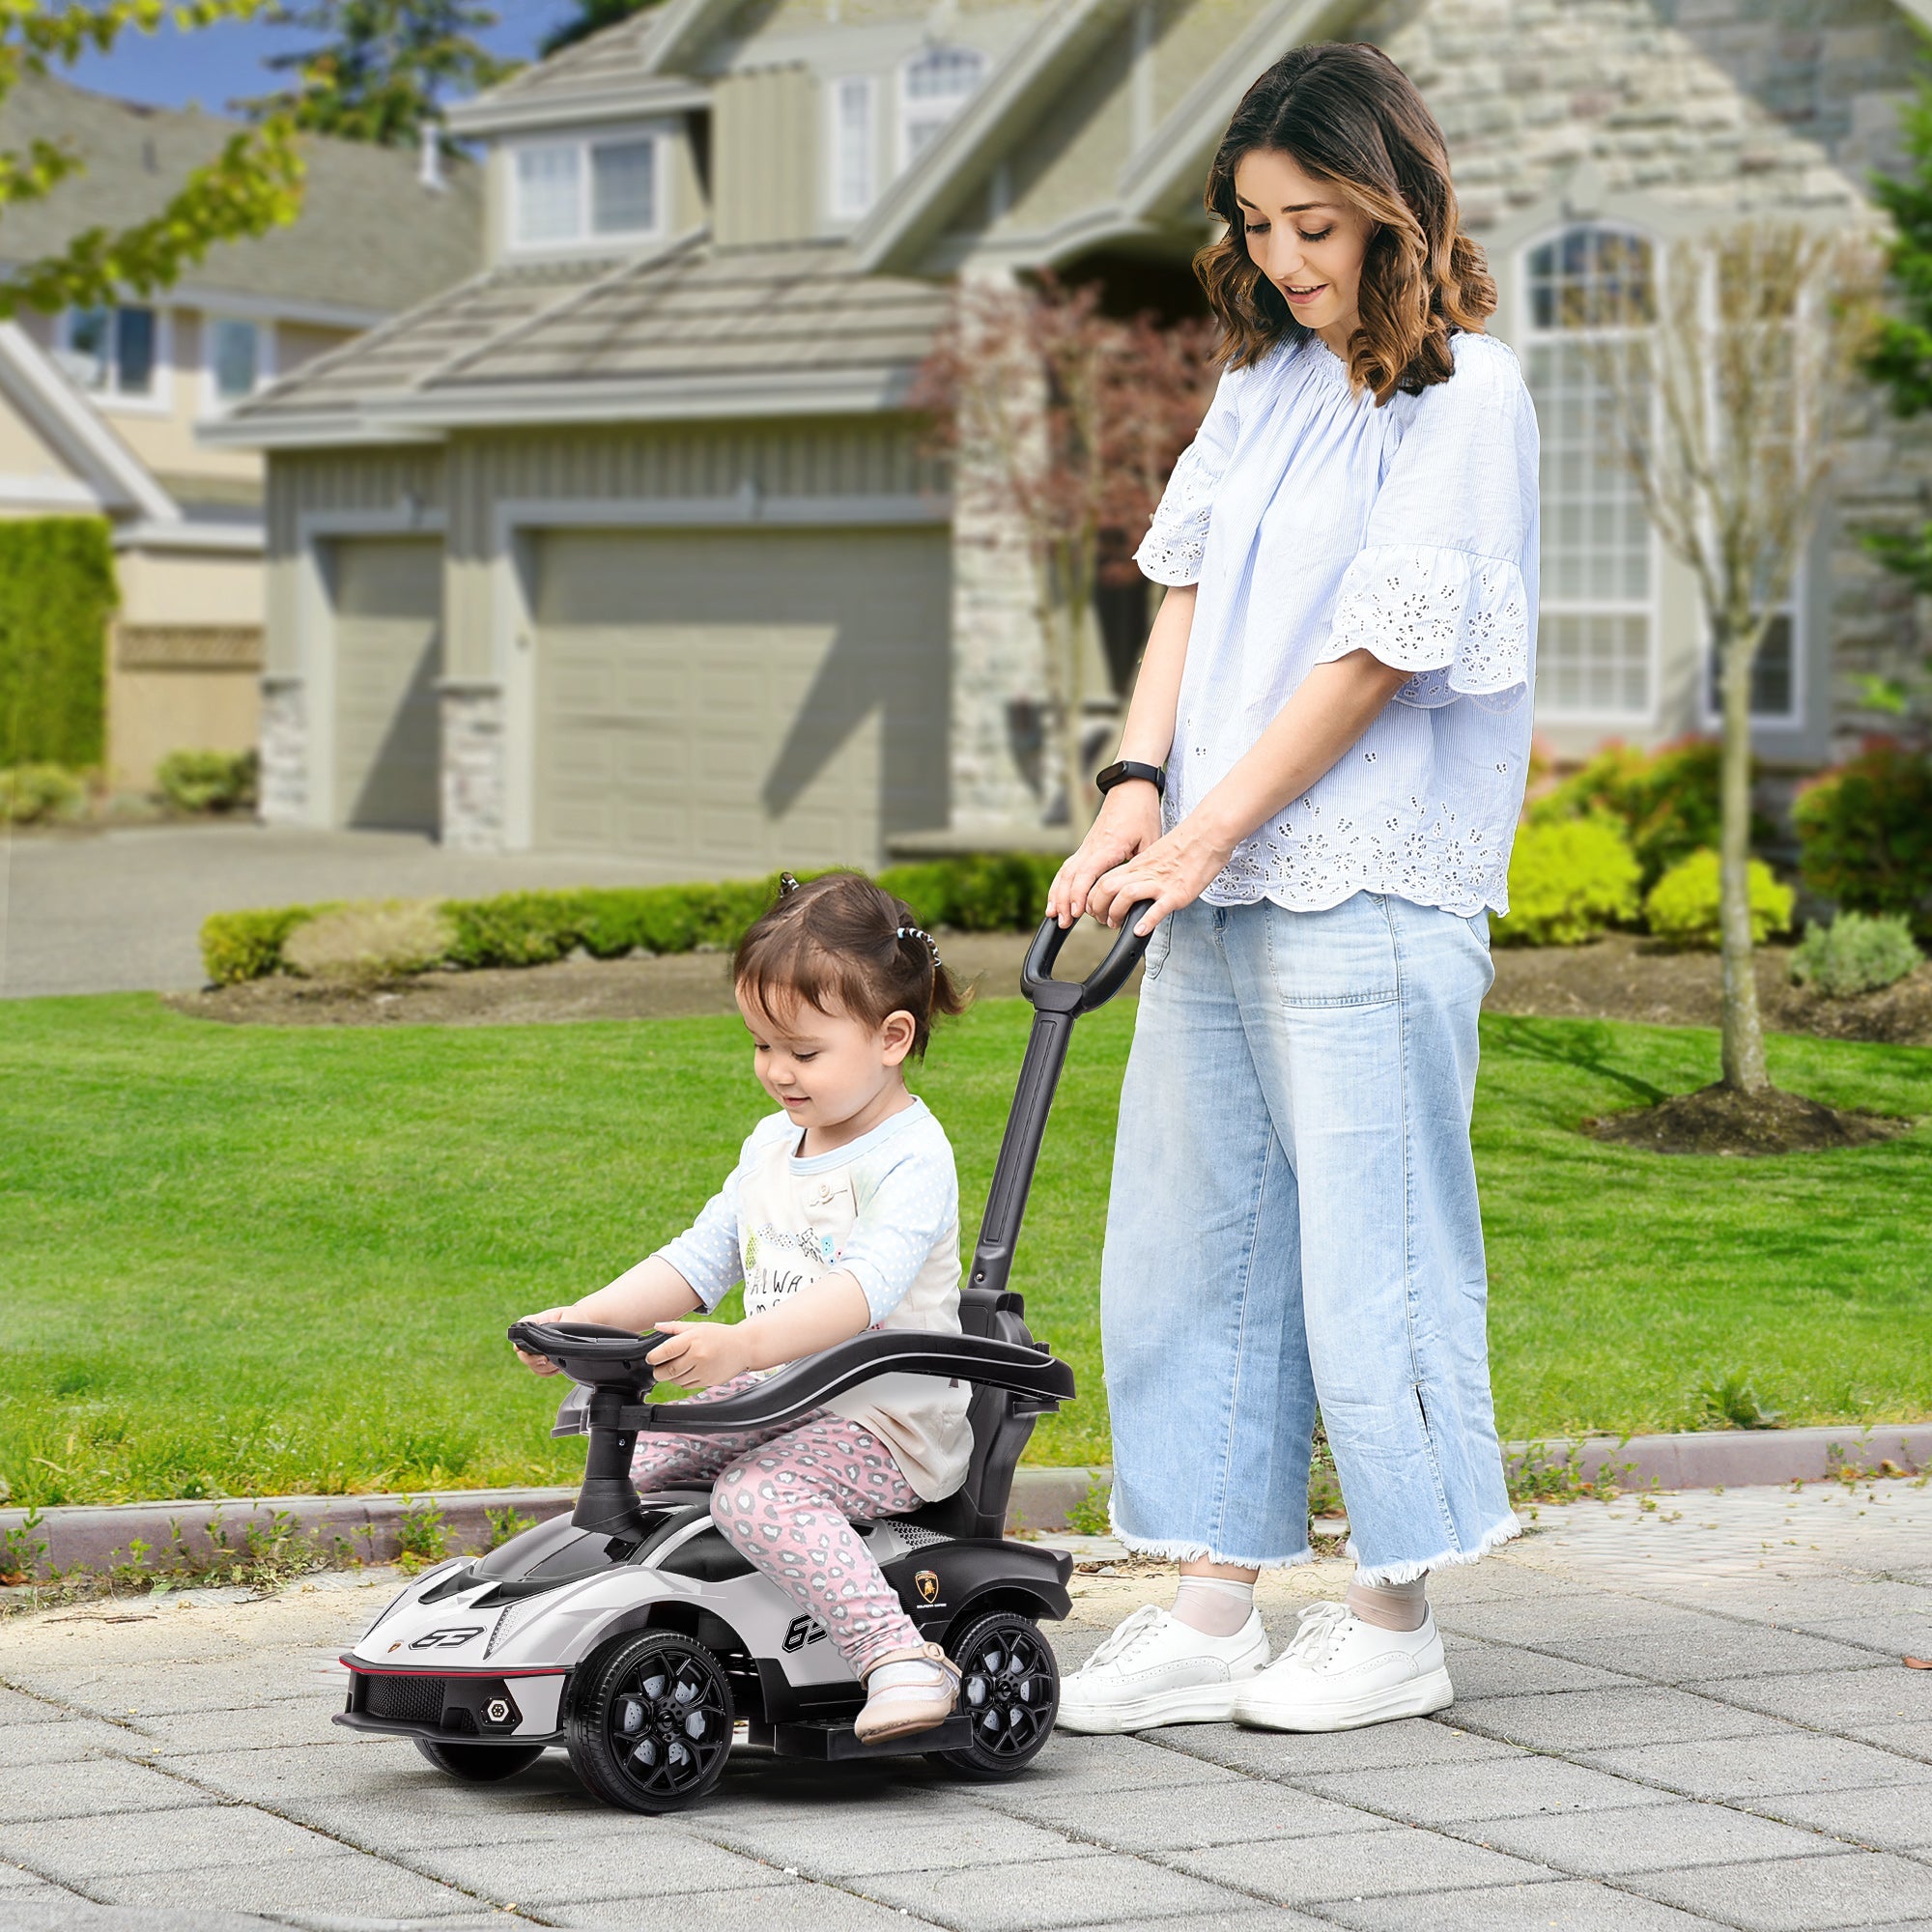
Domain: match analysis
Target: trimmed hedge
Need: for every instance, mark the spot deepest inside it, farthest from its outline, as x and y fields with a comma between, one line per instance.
x=980, y=893
x=57, y=591
x=237, y=946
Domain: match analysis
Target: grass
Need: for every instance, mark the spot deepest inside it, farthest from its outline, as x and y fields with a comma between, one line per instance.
x=255, y=1261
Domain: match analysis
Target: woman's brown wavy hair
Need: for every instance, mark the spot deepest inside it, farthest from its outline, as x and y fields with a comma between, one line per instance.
x=1349, y=116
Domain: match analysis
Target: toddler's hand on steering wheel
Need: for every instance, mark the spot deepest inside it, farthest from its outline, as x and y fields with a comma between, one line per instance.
x=538, y=1365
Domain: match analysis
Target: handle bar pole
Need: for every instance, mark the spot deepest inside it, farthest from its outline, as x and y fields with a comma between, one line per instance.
x=1057, y=1004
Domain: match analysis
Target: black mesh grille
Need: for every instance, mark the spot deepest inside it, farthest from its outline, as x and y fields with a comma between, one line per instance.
x=409, y=1700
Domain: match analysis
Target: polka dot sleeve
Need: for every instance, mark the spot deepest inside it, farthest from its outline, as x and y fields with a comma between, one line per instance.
x=903, y=1214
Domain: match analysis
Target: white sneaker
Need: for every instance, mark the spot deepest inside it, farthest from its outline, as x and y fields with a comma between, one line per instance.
x=1155, y=1669
x=1338, y=1672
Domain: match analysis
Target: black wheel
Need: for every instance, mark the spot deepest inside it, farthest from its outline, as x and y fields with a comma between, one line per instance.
x=650, y=1722
x=480, y=1764
x=1009, y=1687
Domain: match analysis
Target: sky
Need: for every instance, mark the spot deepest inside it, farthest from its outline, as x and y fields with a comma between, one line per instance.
x=217, y=64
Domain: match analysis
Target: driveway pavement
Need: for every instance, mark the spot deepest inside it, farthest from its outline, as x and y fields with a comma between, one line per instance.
x=1687, y=1715
x=109, y=912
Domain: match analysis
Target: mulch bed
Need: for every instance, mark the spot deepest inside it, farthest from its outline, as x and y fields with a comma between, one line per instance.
x=1620, y=978
x=1625, y=977
x=1717, y=1120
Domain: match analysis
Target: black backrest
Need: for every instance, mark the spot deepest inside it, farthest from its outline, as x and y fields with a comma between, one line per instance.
x=1001, y=1424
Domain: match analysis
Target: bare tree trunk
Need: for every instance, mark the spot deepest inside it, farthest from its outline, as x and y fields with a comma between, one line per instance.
x=1743, y=1030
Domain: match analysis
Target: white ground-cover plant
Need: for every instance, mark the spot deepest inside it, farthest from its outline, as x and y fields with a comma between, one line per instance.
x=370, y=940
x=1856, y=954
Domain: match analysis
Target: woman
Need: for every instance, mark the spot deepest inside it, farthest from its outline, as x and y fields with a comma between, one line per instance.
x=1335, y=695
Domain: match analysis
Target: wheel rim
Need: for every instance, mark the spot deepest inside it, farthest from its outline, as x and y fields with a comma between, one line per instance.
x=668, y=1723
x=1007, y=1689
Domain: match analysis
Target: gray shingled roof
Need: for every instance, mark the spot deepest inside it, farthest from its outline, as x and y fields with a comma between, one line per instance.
x=370, y=236
x=614, y=59
x=643, y=338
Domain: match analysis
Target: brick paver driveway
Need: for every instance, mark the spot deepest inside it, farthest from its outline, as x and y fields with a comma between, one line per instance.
x=1692, y=1715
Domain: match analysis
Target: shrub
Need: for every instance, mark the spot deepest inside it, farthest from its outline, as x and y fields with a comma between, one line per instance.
x=368, y=941
x=56, y=594
x=1856, y=954
x=1865, y=833
x=1682, y=907
x=237, y=946
x=927, y=888
x=1567, y=882
x=1666, y=802
x=512, y=930
x=30, y=794
x=208, y=781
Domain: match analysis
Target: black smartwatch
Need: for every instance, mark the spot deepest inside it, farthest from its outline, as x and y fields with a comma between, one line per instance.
x=1131, y=768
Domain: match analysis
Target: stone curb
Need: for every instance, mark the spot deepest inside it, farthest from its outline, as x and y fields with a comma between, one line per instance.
x=368, y=1529
x=361, y=1529
x=1729, y=1459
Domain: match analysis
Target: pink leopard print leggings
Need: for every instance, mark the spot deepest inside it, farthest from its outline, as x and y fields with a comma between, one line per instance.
x=782, y=1495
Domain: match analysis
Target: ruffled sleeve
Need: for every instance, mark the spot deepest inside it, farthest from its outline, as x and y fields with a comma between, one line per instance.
x=1438, y=587
x=1176, y=540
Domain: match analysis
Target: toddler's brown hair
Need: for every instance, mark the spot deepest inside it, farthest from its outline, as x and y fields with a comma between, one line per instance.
x=841, y=941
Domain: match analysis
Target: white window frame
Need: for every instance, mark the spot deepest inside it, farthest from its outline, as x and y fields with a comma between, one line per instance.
x=213, y=402
x=909, y=112
x=159, y=398
x=585, y=240
x=864, y=89
x=1529, y=336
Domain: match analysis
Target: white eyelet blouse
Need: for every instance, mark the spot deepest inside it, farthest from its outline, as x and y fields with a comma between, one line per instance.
x=1316, y=525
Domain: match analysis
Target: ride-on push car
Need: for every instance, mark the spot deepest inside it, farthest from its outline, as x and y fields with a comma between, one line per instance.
x=634, y=1635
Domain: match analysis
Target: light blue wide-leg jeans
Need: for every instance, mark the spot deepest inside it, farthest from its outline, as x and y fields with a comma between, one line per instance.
x=1293, y=1226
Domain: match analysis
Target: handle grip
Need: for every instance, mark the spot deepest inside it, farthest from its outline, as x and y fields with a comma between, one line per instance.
x=1067, y=996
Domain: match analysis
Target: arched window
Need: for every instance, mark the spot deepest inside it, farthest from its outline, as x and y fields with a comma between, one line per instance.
x=933, y=86
x=1596, y=643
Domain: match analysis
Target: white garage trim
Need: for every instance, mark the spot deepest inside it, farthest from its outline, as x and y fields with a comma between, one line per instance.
x=315, y=630
x=513, y=568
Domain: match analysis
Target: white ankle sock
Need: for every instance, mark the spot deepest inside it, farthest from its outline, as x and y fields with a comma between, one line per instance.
x=1214, y=1606
x=1390, y=1607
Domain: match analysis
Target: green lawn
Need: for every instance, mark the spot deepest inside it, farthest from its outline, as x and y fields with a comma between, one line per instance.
x=243, y=1260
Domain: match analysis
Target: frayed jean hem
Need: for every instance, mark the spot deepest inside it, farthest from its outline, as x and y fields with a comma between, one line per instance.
x=1385, y=1574
x=1189, y=1549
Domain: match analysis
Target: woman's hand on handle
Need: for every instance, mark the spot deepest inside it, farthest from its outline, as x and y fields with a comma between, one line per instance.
x=1128, y=822
x=1173, y=872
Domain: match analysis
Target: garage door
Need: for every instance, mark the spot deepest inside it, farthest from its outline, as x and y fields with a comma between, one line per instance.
x=388, y=653
x=731, y=701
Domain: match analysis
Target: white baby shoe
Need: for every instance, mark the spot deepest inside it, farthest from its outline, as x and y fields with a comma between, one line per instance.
x=1338, y=1672
x=1155, y=1669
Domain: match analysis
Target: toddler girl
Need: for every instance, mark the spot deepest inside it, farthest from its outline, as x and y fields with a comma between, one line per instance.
x=842, y=1215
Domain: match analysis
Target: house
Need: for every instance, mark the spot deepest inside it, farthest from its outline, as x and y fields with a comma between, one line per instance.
x=641, y=503
x=101, y=409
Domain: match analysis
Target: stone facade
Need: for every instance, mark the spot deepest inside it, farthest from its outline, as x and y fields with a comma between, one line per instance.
x=472, y=765
x=283, y=783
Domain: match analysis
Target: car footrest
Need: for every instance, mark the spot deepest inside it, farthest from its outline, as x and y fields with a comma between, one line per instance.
x=826, y=1742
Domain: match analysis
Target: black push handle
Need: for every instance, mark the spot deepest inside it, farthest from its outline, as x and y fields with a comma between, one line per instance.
x=1065, y=996
x=1026, y=1369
